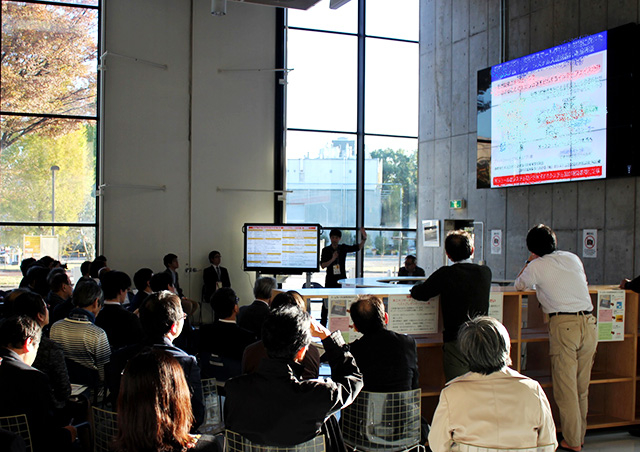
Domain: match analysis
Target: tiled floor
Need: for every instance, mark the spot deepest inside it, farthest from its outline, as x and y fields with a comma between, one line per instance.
x=611, y=440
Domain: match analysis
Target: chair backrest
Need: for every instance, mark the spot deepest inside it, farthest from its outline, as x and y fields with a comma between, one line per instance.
x=19, y=425
x=105, y=429
x=460, y=447
x=219, y=367
x=213, y=421
x=238, y=443
x=378, y=421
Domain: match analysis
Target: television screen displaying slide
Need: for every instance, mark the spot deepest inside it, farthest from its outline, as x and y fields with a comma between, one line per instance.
x=281, y=248
x=545, y=117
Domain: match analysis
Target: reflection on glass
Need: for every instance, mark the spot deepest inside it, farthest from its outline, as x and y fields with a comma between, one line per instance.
x=321, y=171
x=391, y=202
x=321, y=90
x=26, y=175
x=391, y=89
x=320, y=17
x=68, y=245
x=49, y=59
x=385, y=252
x=398, y=19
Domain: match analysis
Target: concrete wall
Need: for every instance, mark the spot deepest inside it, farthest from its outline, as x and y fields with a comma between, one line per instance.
x=454, y=44
x=190, y=128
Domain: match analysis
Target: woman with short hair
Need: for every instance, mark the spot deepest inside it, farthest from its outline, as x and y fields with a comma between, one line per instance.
x=491, y=406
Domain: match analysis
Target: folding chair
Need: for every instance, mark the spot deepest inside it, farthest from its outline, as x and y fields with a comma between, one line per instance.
x=105, y=429
x=213, y=423
x=19, y=425
x=378, y=421
x=237, y=443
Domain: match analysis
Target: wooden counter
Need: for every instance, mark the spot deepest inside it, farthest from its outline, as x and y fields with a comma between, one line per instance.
x=615, y=378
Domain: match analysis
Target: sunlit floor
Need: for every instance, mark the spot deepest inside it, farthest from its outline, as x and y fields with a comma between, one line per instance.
x=611, y=440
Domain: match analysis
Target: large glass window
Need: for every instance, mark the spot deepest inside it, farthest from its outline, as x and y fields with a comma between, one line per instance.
x=48, y=133
x=352, y=102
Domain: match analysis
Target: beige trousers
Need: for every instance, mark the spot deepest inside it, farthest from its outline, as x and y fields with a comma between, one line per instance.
x=572, y=347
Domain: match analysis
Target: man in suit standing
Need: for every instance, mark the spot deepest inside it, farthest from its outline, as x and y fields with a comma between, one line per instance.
x=388, y=360
x=252, y=317
x=214, y=276
x=464, y=289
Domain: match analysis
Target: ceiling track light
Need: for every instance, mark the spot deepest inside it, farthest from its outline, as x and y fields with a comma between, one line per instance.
x=219, y=7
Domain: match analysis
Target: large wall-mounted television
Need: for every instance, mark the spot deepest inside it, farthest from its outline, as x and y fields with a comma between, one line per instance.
x=281, y=248
x=568, y=113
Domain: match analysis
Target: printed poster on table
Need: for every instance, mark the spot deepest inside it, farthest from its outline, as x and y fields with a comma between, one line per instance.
x=610, y=315
x=410, y=316
x=339, y=317
x=496, y=300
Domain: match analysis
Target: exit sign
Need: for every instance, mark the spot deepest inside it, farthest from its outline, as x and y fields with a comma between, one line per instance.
x=457, y=204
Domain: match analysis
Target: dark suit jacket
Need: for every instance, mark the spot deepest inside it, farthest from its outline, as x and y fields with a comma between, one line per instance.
x=210, y=277
x=388, y=361
x=225, y=339
x=177, y=284
x=25, y=390
x=189, y=365
x=464, y=293
x=274, y=407
x=122, y=327
x=417, y=272
x=252, y=317
x=255, y=353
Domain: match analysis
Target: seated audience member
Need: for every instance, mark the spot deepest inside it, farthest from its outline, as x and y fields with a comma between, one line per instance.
x=410, y=269
x=154, y=408
x=37, y=280
x=162, y=320
x=95, y=267
x=223, y=337
x=171, y=264
x=60, y=288
x=252, y=317
x=122, y=327
x=187, y=340
x=388, y=360
x=85, y=345
x=26, y=264
x=256, y=352
x=84, y=271
x=272, y=406
x=26, y=390
x=50, y=358
x=491, y=406
x=142, y=281
x=215, y=276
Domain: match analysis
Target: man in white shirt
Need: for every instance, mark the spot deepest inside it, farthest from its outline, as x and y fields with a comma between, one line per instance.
x=561, y=287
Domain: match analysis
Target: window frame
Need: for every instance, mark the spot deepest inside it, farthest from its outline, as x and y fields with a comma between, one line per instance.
x=281, y=128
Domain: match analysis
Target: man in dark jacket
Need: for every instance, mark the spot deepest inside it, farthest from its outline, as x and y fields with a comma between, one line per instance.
x=273, y=406
x=252, y=317
x=464, y=289
x=388, y=360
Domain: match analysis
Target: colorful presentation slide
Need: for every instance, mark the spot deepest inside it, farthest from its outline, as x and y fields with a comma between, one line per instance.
x=282, y=246
x=549, y=115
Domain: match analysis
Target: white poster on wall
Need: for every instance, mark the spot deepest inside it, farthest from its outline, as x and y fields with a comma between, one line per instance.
x=496, y=303
x=410, y=316
x=496, y=241
x=589, y=243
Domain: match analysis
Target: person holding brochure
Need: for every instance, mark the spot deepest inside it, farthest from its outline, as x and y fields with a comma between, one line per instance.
x=561, y=287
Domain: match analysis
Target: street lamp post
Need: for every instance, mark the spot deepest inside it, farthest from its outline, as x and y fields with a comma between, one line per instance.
x=54, y=168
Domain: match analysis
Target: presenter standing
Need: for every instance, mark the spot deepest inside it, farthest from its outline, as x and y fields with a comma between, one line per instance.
x=561, y=287
x=333, y=258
